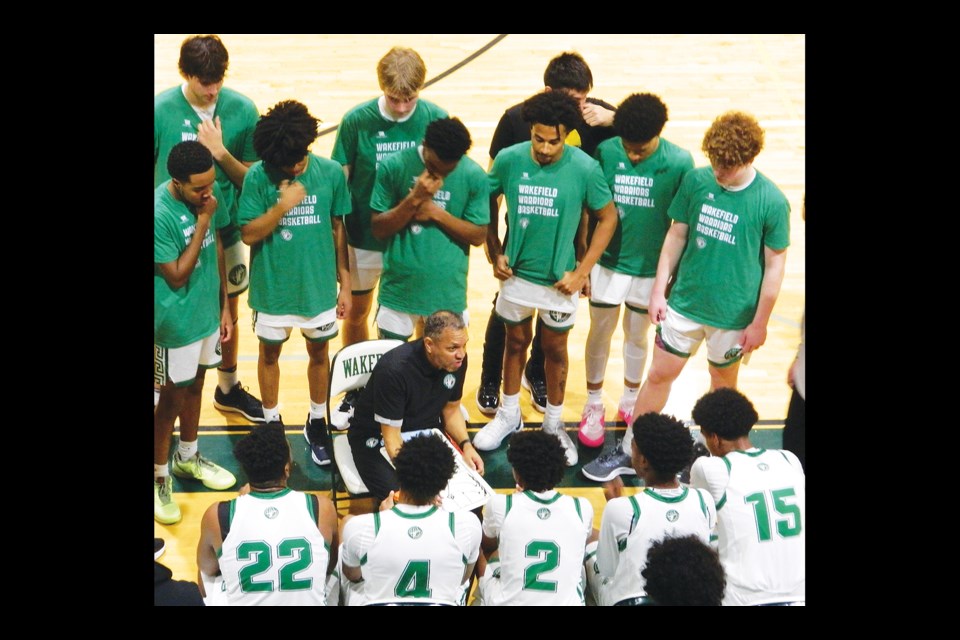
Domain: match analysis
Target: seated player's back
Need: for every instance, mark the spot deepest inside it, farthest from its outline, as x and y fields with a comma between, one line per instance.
x=415, y=554
x=541, y=548
x=760, y=530
x=273, y=553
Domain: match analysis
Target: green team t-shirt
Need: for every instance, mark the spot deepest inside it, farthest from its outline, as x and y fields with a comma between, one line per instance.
x=424, y=269
x=294, y=269
x=174, y=121
x=192, y=312
x=543, y=208
x=642, y=193
x=364, y=139
x=720, y=271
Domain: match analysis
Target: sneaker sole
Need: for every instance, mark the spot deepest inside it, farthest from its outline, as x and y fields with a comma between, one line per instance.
x=617, y=472
x=166, y=521
x=588, y=442
x=526, y=385
x=228, y=409
x=187, y=476
x=625, y=417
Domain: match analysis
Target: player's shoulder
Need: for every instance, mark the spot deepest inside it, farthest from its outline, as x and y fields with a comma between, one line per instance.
x=166, y=96
x=363, y=110
x=432, y=110
x=236, y=99
x=325, y=165
x=675, y=153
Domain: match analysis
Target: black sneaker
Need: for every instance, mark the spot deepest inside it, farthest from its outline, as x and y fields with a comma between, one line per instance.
x=239, y=401
x=315, y=431
x=699, y=450
x=537, y=386
x=340, y=418
x=159, y=546
x=488, y=397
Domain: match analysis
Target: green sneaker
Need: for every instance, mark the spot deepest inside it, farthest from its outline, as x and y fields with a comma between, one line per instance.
x=213, y=476
x=165, y=510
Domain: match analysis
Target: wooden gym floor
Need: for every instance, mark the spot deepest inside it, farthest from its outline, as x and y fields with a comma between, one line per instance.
x=697, y=76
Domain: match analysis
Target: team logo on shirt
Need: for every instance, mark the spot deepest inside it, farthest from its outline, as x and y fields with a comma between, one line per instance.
x=449, y=380
x=701, y=242
x=621, y=212
x=286, y=234
x=381, y=134
x=543, y=513
x=270, y=513
x=414, y=532
x=709, y=196
x=672, y=515
x=415, y=229
x=524, y=222
x=559, y=316
x=620, y=165
x=525, y=176
x=237, y=274
x=371, y=443
x=183, y=218
x=763, y=466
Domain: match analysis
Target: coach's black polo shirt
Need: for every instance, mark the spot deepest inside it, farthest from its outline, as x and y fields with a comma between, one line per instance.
x=405, y=391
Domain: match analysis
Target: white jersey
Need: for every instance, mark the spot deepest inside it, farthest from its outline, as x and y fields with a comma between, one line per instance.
x=273, y=553
x=761, y=502
x=541, y=548
x=631, y=524
x=412, y=552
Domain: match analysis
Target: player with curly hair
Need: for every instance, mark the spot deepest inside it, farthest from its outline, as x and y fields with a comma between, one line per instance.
x=534, y=539
x=271, y=545
x=726, y=248
x=660, y=449
x=684, y=572
x=546, y=184
x=761, y=502
x=291, y=214
x=412, y=551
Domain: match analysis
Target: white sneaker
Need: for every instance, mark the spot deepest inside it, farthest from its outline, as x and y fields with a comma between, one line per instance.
x=502, y=425
x=591, y=432
x=569, y=448
x=340, y=417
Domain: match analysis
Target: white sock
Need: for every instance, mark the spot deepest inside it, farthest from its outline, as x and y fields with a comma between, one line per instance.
x=186, y=450
x=627, y=439
x=160, y=471
x=594, y=396
x=554, y=413
x=272, y=415
x=511, y=403
x=227, y=380
x=630, y=393
x=318, y=411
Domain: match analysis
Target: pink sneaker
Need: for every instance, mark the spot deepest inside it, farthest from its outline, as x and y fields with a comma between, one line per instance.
x=625, y=413
x=591, y=426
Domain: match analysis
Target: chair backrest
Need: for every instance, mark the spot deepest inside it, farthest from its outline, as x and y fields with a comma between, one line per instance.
x=351, y=366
